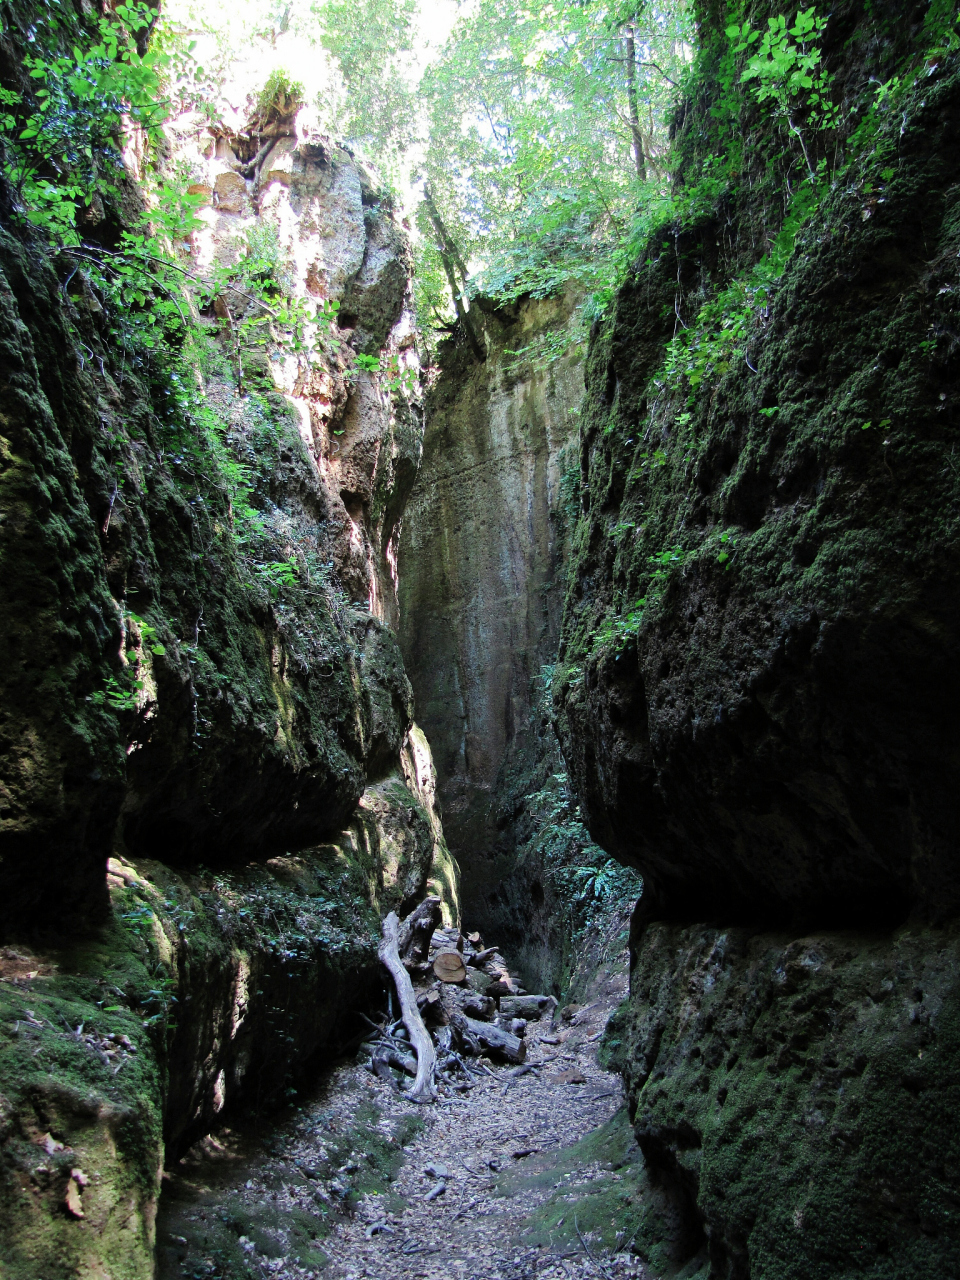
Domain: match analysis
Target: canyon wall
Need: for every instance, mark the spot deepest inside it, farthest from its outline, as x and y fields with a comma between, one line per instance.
x=481, y=594
x=200, y=681
x=757, y=688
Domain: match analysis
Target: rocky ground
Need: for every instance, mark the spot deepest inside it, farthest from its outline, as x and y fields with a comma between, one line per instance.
x=540, y=1174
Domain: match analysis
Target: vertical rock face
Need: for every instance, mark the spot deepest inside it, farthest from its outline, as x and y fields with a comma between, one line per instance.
x=764, y=720
x=758, y=695
x=241, y=740
x=308, y=202
x=480, y=590
x=200, y=678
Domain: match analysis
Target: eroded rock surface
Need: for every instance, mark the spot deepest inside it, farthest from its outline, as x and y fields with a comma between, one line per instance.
x=779, y=739
x=481, y=591
x=794, y=1097
x=757, y=696
x=221, y=526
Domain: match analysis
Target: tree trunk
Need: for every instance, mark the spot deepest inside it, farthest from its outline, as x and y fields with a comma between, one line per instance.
x=413, y=938
x=452, y=262
x=422, y=1089
x=638, y=155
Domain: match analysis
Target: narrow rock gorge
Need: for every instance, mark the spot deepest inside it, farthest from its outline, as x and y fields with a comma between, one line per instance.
x=611, y=641
x=486, y=536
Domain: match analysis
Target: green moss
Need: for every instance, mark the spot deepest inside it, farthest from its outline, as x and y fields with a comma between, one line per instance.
x=208, y=1213
x=227, y=985
x=602, y=1190
x=805, y=1093
x=81, y=1089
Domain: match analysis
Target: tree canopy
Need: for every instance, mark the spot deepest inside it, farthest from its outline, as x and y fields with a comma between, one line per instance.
x=526, y=144
x=546, y=132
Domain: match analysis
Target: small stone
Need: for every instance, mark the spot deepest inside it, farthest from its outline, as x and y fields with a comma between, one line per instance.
x=73, y=1199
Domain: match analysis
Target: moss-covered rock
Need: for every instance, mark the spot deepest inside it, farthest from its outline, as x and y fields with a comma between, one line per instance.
x=199, y=569
x=797, y=1099
x=82, y=1145
x=199, y=677
x=759, y=679
x=206, y=993
x=757, y=694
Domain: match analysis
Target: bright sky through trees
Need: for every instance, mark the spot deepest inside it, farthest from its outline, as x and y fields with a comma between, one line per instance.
x=523, y=140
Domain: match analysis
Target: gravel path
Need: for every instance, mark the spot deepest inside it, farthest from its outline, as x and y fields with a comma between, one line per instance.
x=513, y=1155
x=473, y=1229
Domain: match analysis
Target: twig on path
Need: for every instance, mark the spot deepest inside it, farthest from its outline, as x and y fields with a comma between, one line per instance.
x=517, y=1072
x=378, y=1228
x=586, y=1248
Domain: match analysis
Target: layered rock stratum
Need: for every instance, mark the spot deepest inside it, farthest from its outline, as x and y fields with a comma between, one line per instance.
x=481, y=588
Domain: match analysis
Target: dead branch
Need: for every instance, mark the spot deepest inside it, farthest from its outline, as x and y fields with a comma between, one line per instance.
x=586, y=1248
x=413, y=940
x=493, y=1039
x=423, y=1088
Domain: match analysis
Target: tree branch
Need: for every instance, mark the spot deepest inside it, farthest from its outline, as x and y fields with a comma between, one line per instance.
x=423, y=1088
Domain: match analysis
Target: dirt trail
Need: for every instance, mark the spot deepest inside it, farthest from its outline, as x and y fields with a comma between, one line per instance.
x=540, y=1170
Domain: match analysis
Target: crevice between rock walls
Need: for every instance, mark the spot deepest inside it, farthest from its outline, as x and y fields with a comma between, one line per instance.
x=485, y=536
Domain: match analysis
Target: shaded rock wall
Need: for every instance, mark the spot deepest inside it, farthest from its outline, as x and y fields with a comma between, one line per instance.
x=795, y=1098
x=261, y=721
x=200, y=682
x=757, y=694
x=206, y=991
x=779, y=741
x=480, y=593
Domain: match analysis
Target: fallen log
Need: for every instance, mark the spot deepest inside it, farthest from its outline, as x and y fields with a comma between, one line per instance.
x=423, y=1088
x=381, y=1068
x=414, y=934
x=431, y=1007
x=449, y=966
x=529, y=1007
x=403, y=1061
x=504, y=985
x=493, y=1039
x=480, y=1007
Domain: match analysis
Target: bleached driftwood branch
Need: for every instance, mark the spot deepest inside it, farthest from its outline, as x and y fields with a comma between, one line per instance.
x=423, y=1088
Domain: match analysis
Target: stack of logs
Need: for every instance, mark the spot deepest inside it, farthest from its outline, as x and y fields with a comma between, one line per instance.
x=459, y=1003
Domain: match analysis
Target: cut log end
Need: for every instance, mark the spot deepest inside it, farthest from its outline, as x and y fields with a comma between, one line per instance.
x=449, y=966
